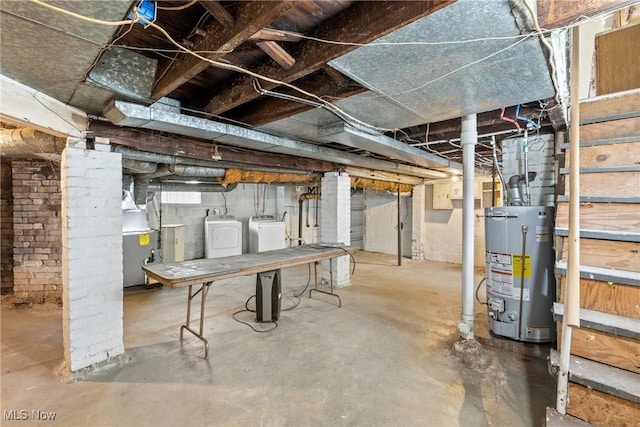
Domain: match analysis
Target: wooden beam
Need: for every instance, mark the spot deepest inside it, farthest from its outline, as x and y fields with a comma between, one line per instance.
x=556, y=13
x=271, y=34
x=218, y=12
x=363, y=22
x=192, y=149
x=277, y=53
x=269, y=109
x=252, y=16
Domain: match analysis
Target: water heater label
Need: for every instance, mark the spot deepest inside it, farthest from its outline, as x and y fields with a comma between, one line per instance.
x=143, y=239
x=517, y=266
x=542, y=234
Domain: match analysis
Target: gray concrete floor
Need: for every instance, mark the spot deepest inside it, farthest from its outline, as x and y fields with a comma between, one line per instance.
x=382, y=359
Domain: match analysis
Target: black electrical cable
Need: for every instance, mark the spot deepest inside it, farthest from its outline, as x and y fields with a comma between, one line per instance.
x=334, y=246
x=478, y=288
x=247, y=309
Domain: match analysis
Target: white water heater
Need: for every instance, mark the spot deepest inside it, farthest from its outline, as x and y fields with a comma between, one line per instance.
x=519, y=269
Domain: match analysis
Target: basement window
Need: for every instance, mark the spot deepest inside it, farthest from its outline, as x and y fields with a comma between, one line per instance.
x=181, y=197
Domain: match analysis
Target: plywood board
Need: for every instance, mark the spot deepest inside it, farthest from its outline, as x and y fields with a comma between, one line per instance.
x=623, y=128
x=607, y=253
x=626, y=154
x=619, y=217
x=611, y=105
x=601, y=409
x=609, y=184
x=621, y=352
x=617, y=54
x=612, y=298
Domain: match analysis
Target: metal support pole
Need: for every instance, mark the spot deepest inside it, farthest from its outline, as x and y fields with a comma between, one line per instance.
x=571, y=316
x=468, y=140
x=399, y=231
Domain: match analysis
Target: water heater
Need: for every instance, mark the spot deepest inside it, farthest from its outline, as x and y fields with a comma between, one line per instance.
x=519, y=268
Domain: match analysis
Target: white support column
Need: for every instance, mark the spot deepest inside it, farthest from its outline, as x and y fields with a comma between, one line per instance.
x=335, y=222
x=468, y=140
x=92, y=274
x=417, y=222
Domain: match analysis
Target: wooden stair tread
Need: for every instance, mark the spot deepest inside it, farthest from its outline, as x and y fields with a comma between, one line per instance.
x=604, y=322
x=604, y=378
x=623, y=277
x=601, y=234
x=611, y=106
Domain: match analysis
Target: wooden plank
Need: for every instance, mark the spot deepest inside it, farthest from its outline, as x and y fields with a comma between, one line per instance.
x=626, y=154
x=556, y=419
x=601, y=409
x=613, y=298
x=556, y=13
x=619, y=352
x=608, y=379
x=609, y=254
x=620, y=217
x=614, y=184
x=609, y=130
x=610, y=106
x=622, y=277
x=276, y=35
x=198, y=271
x=252, y=16
x=277, y=53
x=619, y=326
x=362, y=22
x=617, y=53
x=218, y=12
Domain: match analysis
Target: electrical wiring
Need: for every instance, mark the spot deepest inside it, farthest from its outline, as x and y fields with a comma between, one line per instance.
x=84, y=18
x=247, y=309
x=335, y=246
x=414, y=43
x=181, y=7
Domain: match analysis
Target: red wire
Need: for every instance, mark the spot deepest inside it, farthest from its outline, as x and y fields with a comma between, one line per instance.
x=507, y=119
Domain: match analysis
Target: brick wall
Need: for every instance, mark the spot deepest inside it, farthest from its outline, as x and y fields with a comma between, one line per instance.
x=92, y=256
x=6, y=227
x=36, y=233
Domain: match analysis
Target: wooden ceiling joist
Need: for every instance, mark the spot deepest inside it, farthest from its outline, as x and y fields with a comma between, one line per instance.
x=556, y=13
x=277, y=53
x=252, y=16
x=218, y=12
x=363, y=22
x=192, y=149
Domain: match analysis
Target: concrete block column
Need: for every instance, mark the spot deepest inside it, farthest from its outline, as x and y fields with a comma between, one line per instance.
x=417, y=223
x=91, y=184
x=335, y=222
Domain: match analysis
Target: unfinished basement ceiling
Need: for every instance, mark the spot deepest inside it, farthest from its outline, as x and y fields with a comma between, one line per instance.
x=395, y=87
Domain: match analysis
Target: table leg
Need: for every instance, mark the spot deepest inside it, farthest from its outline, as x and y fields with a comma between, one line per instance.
x=187, y=326
x=331, y=280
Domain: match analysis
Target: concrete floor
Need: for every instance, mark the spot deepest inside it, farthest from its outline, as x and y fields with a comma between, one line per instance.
x=382, y=359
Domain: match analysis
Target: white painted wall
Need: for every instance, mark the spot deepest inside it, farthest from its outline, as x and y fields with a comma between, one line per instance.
x=91, y=256
x=381, y=222
x=443, y=232
x=243, y=202
x=541, y=161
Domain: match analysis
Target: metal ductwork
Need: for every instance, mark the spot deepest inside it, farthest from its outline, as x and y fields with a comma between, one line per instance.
x=138, y=166
x=124, y=113
x=183, y=186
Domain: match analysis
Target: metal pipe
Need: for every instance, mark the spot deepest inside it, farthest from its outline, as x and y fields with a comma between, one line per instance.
x=183, y=186
x=399, y=231
x=468, y=140
x=572, y=295
x=525, y=152
x=197, y=171
x=523, y=268
x=300, y=201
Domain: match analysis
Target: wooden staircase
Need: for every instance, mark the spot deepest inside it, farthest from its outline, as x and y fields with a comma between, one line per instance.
x=604, y=370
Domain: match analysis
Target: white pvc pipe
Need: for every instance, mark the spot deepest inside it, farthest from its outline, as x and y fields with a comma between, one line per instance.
x=572, y=293
x=468, y=141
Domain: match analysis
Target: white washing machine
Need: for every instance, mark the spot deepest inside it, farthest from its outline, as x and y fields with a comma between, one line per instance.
x=265, y=234
x=222, y=236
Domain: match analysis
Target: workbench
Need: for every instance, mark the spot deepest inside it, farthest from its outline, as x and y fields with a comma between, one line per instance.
x=203, y=272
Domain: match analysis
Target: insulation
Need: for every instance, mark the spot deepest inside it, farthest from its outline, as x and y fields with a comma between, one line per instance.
x=378, y=185
x=239, y=175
